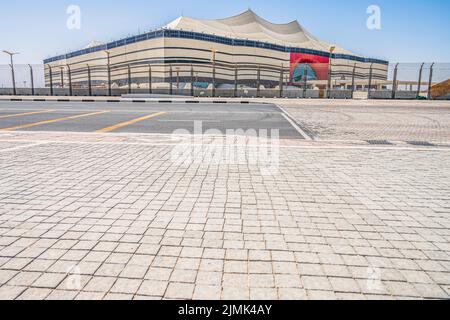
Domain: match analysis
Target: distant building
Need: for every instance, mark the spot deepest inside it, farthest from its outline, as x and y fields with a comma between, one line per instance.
x=244, y=47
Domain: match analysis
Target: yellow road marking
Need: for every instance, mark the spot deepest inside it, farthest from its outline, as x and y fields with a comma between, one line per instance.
x=25, y=114
x=127, y=123
x=52, y=121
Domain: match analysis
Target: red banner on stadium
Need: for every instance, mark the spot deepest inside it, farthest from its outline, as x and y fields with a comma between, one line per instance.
x=316, y=67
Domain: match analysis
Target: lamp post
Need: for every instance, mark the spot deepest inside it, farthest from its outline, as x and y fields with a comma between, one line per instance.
x=11, y=55
x=32, y=79
x=332, y=48
x=108, y=66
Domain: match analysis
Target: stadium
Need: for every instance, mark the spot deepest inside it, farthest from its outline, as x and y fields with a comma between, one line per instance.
x=244, y=50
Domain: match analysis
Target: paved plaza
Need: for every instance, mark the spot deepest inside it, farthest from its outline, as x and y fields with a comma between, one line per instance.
x=112, y=215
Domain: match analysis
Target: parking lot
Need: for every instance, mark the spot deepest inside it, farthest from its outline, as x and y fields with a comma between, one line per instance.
x=105, y=117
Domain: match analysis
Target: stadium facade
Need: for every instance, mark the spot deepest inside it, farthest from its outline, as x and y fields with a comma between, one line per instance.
x=244, y=48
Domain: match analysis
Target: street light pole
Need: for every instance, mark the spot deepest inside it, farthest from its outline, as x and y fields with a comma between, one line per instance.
x=11, y=55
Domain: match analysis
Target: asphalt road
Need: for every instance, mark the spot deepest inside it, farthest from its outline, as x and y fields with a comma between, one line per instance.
x=143, y=117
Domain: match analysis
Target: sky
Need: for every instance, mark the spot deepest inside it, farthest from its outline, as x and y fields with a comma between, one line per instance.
x=411, y=30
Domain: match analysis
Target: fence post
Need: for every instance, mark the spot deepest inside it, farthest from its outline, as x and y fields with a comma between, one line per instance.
x=353, y=79
x=281, y=80
x=51, y=79
x=192, y=81
x=370, y=81
x=150, y=80
x=394, y=82
x=108, y=66
x=330, y=73
x=32, y=79
x=430, y=82
x=214, y=78
x=305, y=82
x=170, y=80
x=419, y=83
x=235, y=80
x=89, y=80
x=69, y=73
x=129, y=79
x=61, y=70
x=258, y=82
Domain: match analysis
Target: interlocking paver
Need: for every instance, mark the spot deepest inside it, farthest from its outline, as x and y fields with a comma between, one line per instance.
x=100, y=284
x=204, y=292
x=177, y=290
x=334, y=222
x=153, y=288
x=129, y=286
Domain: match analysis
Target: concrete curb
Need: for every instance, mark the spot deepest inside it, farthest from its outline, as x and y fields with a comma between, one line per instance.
x=130, y=100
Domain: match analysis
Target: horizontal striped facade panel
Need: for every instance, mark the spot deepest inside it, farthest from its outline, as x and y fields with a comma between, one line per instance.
x=217, y=40
x=177, y=55
x=185, y=67
x=171, y=58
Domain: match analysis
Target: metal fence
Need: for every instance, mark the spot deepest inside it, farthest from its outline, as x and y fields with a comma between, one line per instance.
x=405, y=80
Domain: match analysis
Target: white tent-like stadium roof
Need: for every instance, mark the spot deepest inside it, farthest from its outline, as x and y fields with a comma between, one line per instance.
x=249, y=25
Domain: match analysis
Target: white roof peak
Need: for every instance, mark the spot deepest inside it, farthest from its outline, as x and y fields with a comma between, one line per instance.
x=248, y=25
